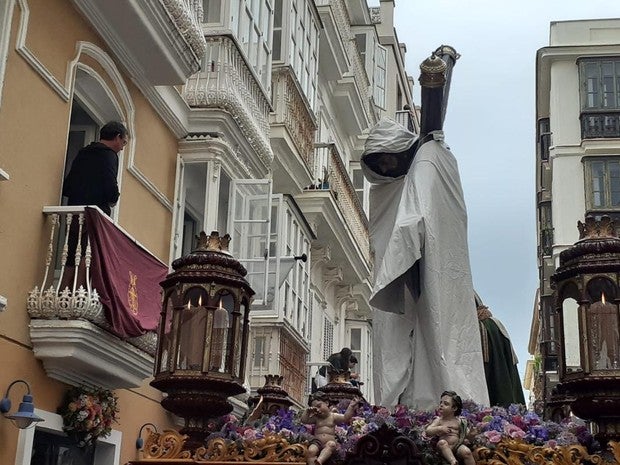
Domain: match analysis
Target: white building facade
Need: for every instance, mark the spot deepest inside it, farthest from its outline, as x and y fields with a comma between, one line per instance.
x=577, y=165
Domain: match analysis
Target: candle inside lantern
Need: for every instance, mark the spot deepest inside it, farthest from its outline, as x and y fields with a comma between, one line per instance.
x=219, y=339
x=191, y=345
x=603, y=335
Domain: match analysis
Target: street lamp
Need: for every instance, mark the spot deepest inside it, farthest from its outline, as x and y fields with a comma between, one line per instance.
x=203, y=335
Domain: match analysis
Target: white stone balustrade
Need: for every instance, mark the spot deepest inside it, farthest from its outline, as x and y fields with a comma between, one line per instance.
x=60, y=294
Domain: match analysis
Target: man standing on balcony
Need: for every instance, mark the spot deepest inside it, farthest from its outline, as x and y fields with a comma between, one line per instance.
x=92, y=178
x=92, y=181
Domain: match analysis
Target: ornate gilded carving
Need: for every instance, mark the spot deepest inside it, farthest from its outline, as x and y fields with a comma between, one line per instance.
x=383, y=446
x=165, y=445
x=271, y=448
x=433, y=72
x=516, y=452
x=213, y=242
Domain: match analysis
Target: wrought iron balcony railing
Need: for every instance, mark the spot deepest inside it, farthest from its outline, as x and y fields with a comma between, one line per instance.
x=331, y=174
x=596, y=125
x=546, y=241
x=292, y=110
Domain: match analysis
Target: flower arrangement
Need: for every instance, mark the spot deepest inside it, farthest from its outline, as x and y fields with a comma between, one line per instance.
x=88, y=413
x=488, y=426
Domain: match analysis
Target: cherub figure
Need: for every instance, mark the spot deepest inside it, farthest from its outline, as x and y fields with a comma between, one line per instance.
x=451, y=430
x=323, y=444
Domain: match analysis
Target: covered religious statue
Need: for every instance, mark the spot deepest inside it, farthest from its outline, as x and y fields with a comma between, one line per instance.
x=426, y=336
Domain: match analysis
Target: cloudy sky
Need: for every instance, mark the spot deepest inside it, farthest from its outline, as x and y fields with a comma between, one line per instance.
x=491, y=130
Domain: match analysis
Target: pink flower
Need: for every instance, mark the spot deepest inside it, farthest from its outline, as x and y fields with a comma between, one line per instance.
x=493, y=436
x=513, y=431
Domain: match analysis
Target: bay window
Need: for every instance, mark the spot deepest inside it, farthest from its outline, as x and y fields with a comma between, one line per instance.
x=600, y=97
x=602, y=183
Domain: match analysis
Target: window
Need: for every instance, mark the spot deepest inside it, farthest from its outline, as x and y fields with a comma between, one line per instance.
x=297, y=281
x=304, y=43
x=254, y=235
x=544, y=138
x=602, y=183
x=600, y=97
x=212, y=10
x=258, y=354
x=47, y=444
x=252, y=23
x=600, y=81
x=380, y=75
x=546, y=229
x=360, y=186
x=359, y=340
x=277, y=30
x=199, y=205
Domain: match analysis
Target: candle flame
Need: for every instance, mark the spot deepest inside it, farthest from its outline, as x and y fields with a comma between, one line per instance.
x=200, y=301
x=221, y=303
x=603, y=297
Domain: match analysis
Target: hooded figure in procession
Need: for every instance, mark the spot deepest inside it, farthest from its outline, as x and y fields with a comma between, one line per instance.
x=426, y=336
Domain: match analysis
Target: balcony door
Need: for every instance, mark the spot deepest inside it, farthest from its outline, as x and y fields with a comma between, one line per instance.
x=254, y=237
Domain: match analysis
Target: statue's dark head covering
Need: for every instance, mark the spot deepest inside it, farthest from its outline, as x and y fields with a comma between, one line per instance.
x=388, y=151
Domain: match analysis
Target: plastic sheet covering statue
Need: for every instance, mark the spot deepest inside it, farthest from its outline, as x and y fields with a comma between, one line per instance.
x=426, y=335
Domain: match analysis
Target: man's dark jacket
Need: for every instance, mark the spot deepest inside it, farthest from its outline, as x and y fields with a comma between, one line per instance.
x=92, y=178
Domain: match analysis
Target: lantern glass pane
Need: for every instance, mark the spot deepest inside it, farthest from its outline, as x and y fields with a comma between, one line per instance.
x=166, y=335
x=603, y=337
x=221, y=336
x=572, y=355
x=239, y=341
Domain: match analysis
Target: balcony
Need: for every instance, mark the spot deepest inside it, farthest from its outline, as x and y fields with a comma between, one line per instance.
x=333, y=62
x=71, y=331
x=597, y=125
x=546, y=241
x=167, y=29
x=333, y=207
x=226, y=82
x=293, y=125
x=341, y=63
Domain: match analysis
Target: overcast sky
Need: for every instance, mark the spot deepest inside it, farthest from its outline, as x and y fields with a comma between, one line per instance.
x=490, y=128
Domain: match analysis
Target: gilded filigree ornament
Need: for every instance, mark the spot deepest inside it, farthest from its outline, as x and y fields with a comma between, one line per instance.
x=165, y=445
x=516, y=452
x=271, y=448
x=433, y=72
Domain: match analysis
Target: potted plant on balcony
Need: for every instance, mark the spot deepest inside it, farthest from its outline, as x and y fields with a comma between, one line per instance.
x=88, y=414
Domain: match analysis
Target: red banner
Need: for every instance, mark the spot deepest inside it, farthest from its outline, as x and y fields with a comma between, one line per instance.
x=126, y=277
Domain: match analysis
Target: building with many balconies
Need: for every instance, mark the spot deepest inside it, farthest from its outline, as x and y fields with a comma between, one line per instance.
x=246, y=117
x=577, y=166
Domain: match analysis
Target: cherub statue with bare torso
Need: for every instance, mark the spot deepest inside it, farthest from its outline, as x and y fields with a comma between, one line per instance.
x=319, y=413
x=450, y=430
